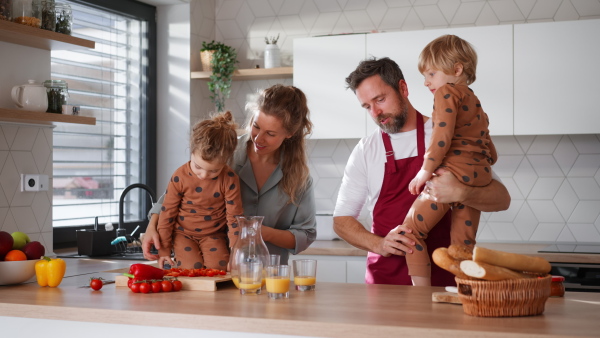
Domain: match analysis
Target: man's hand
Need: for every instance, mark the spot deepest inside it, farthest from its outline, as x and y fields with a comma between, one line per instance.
x=395, y=243
x=417, y=183
x=445, y=188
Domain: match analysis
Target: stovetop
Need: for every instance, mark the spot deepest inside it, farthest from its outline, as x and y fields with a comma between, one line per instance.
x=572, y=248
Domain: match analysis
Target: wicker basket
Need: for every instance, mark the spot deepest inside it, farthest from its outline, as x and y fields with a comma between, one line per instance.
x=505, y=298
x=205, y=58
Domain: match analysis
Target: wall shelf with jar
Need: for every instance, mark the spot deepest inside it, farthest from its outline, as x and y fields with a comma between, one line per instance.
x=18, y=115
x=40, y=38
x=252, y=74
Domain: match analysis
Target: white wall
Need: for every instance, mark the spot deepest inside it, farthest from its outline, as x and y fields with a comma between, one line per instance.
x=554, y=180
x=173, y=101
x=24, y=149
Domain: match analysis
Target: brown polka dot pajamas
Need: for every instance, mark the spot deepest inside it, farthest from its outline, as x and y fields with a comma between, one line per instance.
x=461, y=144
x=194, y=218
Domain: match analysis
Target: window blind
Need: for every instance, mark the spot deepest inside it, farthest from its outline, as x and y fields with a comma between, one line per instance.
x=93, y=164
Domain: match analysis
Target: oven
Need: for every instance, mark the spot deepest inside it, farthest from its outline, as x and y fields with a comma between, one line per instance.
x=578, y=276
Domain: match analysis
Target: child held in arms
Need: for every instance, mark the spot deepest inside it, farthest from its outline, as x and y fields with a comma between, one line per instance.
x=460, y=143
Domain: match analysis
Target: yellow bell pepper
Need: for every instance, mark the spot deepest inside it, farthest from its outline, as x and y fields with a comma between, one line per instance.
x=50, y=272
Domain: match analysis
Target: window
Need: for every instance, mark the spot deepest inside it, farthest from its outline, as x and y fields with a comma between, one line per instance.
x=114, y=83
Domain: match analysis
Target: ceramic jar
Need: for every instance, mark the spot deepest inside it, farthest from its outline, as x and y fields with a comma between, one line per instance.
x=272, y=56
x=30, y=96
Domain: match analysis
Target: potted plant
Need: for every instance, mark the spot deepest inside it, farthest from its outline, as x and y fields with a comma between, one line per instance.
x=222, y=64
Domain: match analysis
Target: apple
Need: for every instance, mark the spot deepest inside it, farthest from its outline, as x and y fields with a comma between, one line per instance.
x=34, y=250
x=21, y=239
x=6, y=243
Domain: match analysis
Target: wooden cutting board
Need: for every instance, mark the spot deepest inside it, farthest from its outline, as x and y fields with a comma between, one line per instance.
x=189, y=283
x=445, y=297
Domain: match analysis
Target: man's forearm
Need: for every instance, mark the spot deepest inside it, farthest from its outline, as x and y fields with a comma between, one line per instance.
x=493, y=197
x=353, y=232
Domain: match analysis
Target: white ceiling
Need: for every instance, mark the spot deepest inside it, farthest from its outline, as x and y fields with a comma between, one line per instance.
x=164, y=2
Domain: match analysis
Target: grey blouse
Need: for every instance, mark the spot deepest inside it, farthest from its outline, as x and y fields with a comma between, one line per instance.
x=272, y=203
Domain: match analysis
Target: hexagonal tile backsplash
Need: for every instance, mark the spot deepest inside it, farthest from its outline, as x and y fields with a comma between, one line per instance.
x=25, y=149
x=554, y=180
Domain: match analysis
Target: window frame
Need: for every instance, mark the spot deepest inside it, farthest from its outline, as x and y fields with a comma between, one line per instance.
x=66, y=236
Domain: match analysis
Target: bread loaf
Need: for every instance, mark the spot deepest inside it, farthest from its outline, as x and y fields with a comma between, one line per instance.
x=441, y=257
x=511, y=261
x=488, y=271
x=460, y=252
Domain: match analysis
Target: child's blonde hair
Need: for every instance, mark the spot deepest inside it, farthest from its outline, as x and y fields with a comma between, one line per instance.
x=445, y=52
x=214, y=139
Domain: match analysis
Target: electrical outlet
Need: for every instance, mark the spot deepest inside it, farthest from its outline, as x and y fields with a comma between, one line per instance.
x=31, y=182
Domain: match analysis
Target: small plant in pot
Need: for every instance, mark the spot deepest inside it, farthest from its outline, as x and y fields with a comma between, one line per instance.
x=222, y=64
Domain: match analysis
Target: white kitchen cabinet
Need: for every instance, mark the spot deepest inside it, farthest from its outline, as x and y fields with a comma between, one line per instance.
x=321, y=65
x=556, y=77
x=338, y=269
x=494, y=83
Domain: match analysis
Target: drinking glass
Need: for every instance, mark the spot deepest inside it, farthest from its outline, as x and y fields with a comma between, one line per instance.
x=305, y=274
x=251, y=275
x=278, y=281
x=274, y=259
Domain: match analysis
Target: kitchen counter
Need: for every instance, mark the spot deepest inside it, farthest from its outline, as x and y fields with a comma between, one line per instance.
x=341, y=248
x=334, y=309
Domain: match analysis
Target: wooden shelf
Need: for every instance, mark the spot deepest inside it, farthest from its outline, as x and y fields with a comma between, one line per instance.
x=40, y=38
x=252, y=74
x=25, y=116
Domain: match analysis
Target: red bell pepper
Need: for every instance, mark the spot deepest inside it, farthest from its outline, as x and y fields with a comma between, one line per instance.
x=138, y=272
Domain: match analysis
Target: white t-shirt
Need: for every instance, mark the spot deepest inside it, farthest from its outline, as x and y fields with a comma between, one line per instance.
x=364, y=171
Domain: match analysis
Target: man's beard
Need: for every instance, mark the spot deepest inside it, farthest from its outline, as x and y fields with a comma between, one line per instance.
x=397, y=122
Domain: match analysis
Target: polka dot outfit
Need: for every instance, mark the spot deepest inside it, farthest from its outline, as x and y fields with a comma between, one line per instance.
x=461, y=144
x=194, y=218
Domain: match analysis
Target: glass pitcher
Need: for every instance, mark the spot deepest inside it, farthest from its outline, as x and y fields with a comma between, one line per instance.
x=249, y=248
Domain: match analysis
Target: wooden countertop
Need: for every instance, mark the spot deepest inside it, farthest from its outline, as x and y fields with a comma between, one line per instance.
x=341, y=248
x=333, y=310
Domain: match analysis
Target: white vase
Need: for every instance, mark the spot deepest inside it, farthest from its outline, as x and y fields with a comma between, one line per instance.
x=272, y=56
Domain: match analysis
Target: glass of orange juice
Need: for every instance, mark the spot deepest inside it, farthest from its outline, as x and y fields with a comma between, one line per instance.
x=250, y=279
x=305, y=274
x=278, y=281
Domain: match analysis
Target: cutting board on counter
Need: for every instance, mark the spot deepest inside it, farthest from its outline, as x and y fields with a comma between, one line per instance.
x=445, y=297
x=188, y=283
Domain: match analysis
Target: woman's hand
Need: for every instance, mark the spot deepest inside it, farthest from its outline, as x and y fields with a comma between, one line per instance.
x=151, y=237
x=396, y=243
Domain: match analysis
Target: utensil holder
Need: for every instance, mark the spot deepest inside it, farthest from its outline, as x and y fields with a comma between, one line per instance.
x=94, y=242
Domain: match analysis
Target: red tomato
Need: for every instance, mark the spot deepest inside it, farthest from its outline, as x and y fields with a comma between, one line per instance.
x=177, y=285
x=135, y=287
x=145, y=287
x=222, y=272
x=210, y=273
x=96, y=283
x=167, y=286
x=157, y=286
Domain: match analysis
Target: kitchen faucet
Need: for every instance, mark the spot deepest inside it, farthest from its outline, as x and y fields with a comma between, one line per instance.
x=120, y=230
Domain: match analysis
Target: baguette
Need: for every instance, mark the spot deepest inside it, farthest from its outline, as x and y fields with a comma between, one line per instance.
x=488, y=271
x=441, y=257
x=460, y=252
x=511, y=260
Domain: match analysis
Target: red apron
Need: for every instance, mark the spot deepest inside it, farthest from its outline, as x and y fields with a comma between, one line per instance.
x=391, y=208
